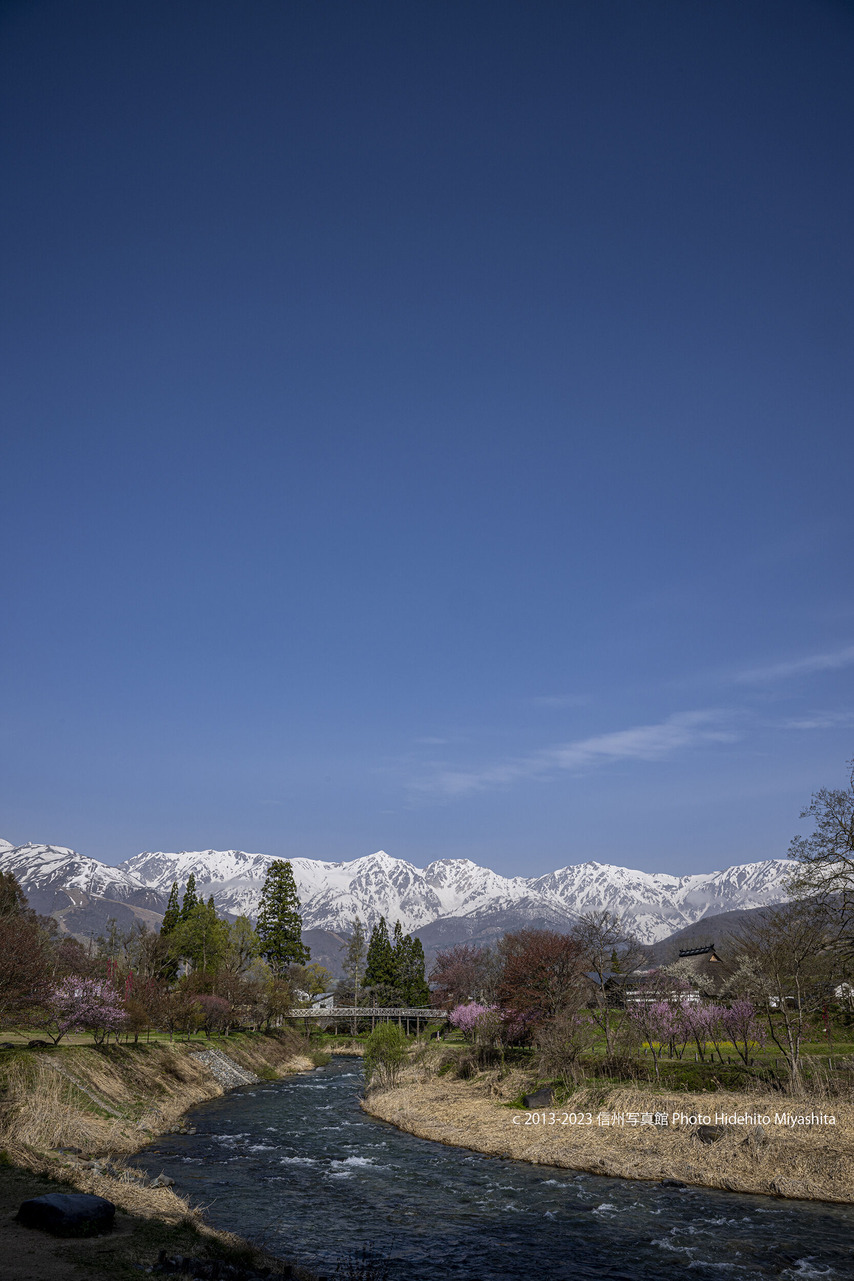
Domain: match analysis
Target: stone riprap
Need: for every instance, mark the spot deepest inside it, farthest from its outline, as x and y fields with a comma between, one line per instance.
x=225, y=1070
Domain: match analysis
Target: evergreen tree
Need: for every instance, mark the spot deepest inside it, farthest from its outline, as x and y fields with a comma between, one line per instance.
x=191, y=899
x=13, y=900
x=279, y=922
x=398, y=947
x=409, y=968
x=417, y=992
x=172, y=915
x=379, y=971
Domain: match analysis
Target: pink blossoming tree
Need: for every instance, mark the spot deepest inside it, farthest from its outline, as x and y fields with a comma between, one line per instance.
x=467, y=1018
x=79, y=1004
x=743, y=1027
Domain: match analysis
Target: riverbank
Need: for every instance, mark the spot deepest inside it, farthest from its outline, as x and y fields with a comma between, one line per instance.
x=74, y=1116
x=766, y=1152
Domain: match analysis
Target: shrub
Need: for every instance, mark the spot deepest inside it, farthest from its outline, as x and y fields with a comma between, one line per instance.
x=385, y=1053
x=560, y=1044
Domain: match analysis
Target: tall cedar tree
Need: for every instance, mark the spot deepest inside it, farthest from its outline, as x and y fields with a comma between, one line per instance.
x=191, y=898
x=172, y=915
x=419, y=992
x=409, y=968
x=380, y=968
x=279, y=922
x=399, y=952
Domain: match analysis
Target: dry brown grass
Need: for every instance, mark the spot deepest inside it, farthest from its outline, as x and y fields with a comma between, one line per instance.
x=814, y=1164
x=110, y=1104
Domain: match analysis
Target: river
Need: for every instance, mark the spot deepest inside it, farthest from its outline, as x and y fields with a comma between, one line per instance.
x=297, y=1166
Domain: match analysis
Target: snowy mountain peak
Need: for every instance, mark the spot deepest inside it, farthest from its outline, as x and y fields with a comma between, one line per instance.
x=653, y=904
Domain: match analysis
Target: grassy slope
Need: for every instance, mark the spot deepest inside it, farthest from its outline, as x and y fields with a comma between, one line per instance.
x=109, y=1101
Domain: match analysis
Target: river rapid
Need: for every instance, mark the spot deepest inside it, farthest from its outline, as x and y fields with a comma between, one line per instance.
x=297, y=1166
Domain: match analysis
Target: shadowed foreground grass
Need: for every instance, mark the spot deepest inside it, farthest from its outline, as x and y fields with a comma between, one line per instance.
x=30, y=1255
x=71, y=1118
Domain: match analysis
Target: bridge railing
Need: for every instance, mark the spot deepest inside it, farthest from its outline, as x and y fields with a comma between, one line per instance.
x=366, y=1012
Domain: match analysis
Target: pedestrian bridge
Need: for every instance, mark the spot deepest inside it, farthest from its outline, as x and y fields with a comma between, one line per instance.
x=376, y=1013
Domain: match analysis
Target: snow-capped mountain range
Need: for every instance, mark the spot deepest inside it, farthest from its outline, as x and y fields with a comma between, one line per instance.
x=447, y=892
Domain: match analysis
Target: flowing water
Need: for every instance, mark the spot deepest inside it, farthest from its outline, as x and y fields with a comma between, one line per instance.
x=297, y=1166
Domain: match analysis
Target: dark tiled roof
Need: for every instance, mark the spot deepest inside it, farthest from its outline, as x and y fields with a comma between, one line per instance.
x=698, y=951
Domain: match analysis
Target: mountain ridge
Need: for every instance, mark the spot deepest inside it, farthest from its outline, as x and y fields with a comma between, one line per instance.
x=654, y=905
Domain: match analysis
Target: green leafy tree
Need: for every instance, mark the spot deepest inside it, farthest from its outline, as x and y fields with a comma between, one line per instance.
x=310, y=979
x=244, y=946
x=172, y=915
x=191, y=898
x=202, y=939
x=279, y=922
x=380, y=970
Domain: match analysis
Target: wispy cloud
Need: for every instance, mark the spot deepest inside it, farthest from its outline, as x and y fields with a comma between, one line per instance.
x=640, y=743
x=820, y=720
x=798, y=667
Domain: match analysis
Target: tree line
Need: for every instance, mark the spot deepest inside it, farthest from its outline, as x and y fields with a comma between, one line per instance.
x=198, y=972
x=381, y=970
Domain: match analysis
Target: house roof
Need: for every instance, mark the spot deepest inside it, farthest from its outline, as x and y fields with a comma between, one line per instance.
x=699, y=951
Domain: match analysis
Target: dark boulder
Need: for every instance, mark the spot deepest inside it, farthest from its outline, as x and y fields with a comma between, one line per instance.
x=710, y=1133
x=541, y=1099
x=74, y=1214
x=38, y=1045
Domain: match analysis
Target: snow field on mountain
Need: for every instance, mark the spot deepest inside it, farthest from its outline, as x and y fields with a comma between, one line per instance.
x=654, y=904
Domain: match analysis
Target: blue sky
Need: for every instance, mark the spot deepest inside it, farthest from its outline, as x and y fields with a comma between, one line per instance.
x=426, y=427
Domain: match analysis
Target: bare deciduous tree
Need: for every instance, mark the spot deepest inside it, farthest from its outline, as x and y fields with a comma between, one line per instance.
x=826, y=856
x=466, y=973
x=784, y=966
x=609, y=953
x=543, y=974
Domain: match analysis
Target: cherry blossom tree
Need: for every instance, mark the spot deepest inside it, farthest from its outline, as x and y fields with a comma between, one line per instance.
x=80, y=1004
x=464, y=973
x=467, y=1017
x=216, y=1011
x=656, y=1022
x=743, y=1026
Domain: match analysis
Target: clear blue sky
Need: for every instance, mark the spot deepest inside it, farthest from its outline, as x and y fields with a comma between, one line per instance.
x=426, y=426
